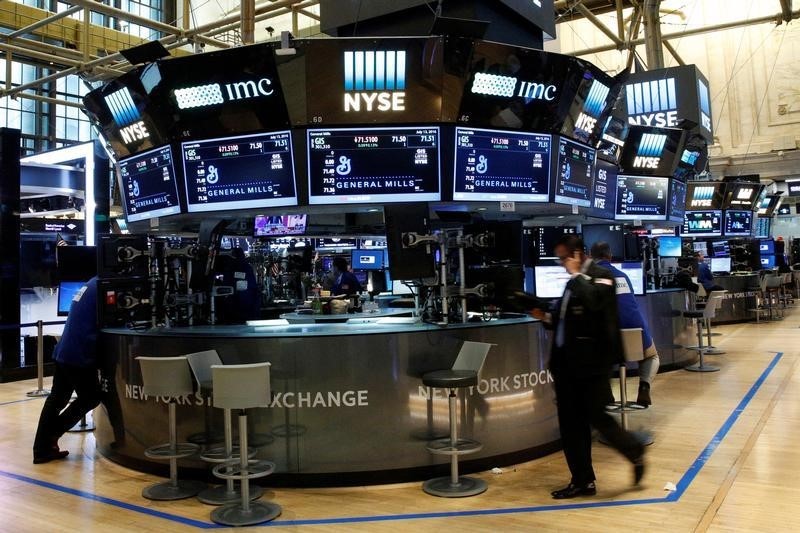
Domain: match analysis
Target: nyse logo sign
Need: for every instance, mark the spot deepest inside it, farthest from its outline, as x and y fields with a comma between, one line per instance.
x=375, y=80
x=652, y=103
x=593, y=107
x=509, y=86
x=744, y=194
x=705, y=105
x=126, y=115
x=212, y=93
x=649, y=152
x=702, y=196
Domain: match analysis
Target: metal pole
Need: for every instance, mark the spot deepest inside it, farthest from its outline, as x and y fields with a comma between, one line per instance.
x=44, y=22
x=623, y=396
x=173, y=445
x=453, y=439
x=244, y=487
x=228, y=425
x=40, y=390
x=248, y=23
x=443, y=281
x=652, y=34
x=461, y=274
x=673, y=52
x=599, y=24
x=620, y=20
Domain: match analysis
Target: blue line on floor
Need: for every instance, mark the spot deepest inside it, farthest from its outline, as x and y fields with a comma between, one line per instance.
x=674, y=496
x=18, y=401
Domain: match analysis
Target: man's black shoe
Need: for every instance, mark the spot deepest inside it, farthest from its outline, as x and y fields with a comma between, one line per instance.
x=638, y=470
x=572, y=490
x=50, y=455
x=644, y=394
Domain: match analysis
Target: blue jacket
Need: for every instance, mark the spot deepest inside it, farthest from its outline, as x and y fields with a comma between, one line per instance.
x=627, y=308
x=346, y=283
x=704, y=276
x=78, y=344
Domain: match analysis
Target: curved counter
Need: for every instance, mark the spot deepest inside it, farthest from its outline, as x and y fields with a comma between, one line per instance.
x=663, y=311
x=741, y=295
x=348, y=402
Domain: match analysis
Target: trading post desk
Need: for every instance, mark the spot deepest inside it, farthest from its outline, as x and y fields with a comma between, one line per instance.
x=348, y=401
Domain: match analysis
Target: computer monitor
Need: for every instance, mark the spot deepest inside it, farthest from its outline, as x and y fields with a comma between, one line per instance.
x=766, y=247
x=550, y=281
x=66, y=292
x=767, y=261
x=720, y=264
x=701, y=247
x=669, y=246
x=367, y=259
x=720, y=249
x=635, y=272
x=400, y=287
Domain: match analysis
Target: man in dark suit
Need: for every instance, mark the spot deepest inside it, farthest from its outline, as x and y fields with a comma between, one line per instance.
x=586, y=342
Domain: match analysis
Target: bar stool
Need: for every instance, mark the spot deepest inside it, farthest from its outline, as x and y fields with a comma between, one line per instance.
x=201, y=363
x=774, y=283
x=464, y=373
x=243, y=387
x=714, y=299
x=169, y=377
x=699, y=315
x=633, y=350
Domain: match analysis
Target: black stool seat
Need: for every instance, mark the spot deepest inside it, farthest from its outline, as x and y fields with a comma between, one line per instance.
x=693, y=314
x=450, y=379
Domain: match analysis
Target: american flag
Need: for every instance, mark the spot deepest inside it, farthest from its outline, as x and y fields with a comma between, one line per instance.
x=60, y=240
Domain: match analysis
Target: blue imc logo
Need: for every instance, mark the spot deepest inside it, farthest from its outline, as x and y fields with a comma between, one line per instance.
x=374, y=80
x=122, y=108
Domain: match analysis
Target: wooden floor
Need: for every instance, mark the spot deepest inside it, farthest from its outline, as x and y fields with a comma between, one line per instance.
x=729, y=440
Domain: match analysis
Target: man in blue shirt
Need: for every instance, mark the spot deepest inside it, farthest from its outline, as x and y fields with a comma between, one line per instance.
x=631, y=317
x=345, y=281
x=704, y=275
x=75, y=362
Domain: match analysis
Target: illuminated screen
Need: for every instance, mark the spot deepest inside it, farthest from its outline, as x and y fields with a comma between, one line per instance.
x=635, y=272
x=677, y=200
x=239, y=172
x=66, y=292
x=767, y=261
x=702, y=223
x=704, y=195
x=366, y=165
x=741, y=196
x=367, y=260
x=720, y=249
x=641, y=198
x=720, y=264
x=265, y=226
x=574, y=172
x=766, y=247
x=148, y=185
x=604, y=190
x=494, y=165
x=669, y=247
x=550, y=281
x=738, y=223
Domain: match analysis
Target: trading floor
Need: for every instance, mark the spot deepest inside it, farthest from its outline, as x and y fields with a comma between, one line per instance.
x=726, y=440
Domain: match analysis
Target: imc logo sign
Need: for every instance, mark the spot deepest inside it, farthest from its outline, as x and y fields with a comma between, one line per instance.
x=375, y=80
x=705, y=105
x=509, y=86
x=648, y=155
x=126, y=116
x=652, y=103
x=213, y=94
x=702, y=196
x=593, y=107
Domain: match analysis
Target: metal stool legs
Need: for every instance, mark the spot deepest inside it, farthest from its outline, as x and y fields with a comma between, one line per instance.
x=227, y=493
x=624, y=407
x=245, y=512
x=711, y=349
x=174, y=489
x=454, y=486
x=700, y=366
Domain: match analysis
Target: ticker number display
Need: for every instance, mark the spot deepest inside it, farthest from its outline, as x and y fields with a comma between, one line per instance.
x=574, y=172
x=149, y=186
x=641, y=198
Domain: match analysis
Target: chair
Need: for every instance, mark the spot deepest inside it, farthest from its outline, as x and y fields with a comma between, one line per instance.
x=714, y=299
x=243, y=387
x=633, y=350
x=463, y=373
x=169, y=377
x=773, y=292
x=200, y=364
x=707, y=313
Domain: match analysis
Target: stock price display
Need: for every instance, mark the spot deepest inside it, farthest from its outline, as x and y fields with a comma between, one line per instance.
x=738, y=223
x=373, y=165
x=575, y=168
x=239, y=172
x=702, y=223
x=500, y=165
x=641, y=198
x=148, y=185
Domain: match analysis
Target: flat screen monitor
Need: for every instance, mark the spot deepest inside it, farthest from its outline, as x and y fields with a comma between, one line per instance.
x=762, y=227
x=574, y=173
x=148, y=185
x=538, y=242
x=784, y=210
x=641, y=198
x=67, y=290
x=701, y=247
x=400, y=287
x=720, y=264
x=266, y=226
x=704, y=195
x=550, y=281
x=669, y=247
x=768, y=206
x=337, y=243
x=766, y=247
x=251, y=171
x=613, y=234
x=493, y=165
x=767, y=261
x=367, y=165
x=719, y=249
x=703, y=223
x=793, y=187
x=738, y=223
x=677, y=200
x=604, y=190
x=652, y=151
x=741, y=195
x=635, y=272
x=367, y=260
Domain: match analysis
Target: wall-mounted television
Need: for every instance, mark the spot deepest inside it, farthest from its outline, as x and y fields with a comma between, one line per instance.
x=669, y=246
x=266, y=226
x=367, y=165
x=703, y=223
x=573, y=174
x=148, y=185
x=494, y=165
x=738, y=223
x=251, y=171
x=641, y=198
